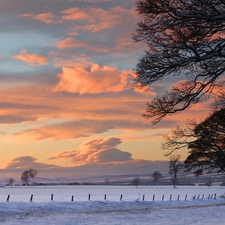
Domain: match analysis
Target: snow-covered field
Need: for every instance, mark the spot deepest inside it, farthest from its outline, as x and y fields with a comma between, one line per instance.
x=170, y=206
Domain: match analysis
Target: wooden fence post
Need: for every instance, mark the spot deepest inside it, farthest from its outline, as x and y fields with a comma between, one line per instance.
x=51, y=197
x=31, y=198
x=8, y=198
x=72, y=198
x=105, y=197
x=153, y=198
x=121, y=197
x=143, y=198
x=89, y=197
x=170, y=197
x=162, y=197
x=178, y=197
x=185, y=197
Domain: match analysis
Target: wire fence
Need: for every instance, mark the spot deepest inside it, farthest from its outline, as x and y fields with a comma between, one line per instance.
x=140, y=198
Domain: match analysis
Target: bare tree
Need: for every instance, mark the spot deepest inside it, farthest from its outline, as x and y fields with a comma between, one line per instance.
x=106, y=181
x=156, y=176
x=136, y=181
x=174, y=168
x=185, y=39
x=11, y=181
x=27, y=175
x=209, y=183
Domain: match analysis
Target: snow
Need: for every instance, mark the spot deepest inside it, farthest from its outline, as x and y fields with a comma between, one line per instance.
x=130, y=210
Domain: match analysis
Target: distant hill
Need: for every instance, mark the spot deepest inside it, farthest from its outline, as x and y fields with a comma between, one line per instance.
x=145, y=179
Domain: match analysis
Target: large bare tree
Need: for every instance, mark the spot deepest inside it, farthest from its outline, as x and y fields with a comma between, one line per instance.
x=184, y=39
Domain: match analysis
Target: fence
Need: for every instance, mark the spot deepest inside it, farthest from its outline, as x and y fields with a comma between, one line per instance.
x=141, y=198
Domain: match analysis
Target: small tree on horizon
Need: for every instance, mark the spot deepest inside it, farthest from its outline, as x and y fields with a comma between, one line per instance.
x=174, y=168
x=209, y=183
x=106, y=181
x=11, y=181
x=136, y=181
x=156, y=176
x=27, y=175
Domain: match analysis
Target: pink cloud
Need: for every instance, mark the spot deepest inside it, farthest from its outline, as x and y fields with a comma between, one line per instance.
x=99, y=19
x=62, y=131
x=26, y=162
x=148, y=91
x=112, y=111
x=47, y=18
x=70, y=43
x=73, y=43
x=95, y=19
x=96, y=151
x=109, y=111
x=32, y=59
x=93, y=78
x=75, y=129
x=74, y=14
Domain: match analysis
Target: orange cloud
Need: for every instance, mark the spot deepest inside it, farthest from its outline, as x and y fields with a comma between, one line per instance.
x=95, y=20
x=146, y=90
x=32, y=59
x=93, y=78
x=43, y=17
x=96, y=151
x=15, y=101
x=66, y=130
x=43, y=115
x=26, y=162
x=70, y=43
x=98, y=18
x=73, y=43
x=75, y=129
x=74, y=14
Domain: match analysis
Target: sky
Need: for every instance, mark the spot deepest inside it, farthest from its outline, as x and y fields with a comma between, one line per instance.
x=68, y=105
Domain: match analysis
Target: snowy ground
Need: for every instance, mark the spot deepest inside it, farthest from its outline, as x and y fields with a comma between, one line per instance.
x=130, y=210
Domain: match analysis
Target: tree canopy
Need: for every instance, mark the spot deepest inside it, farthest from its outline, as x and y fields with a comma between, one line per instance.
x=205, y=141
x=208, y=150
x=185, y=39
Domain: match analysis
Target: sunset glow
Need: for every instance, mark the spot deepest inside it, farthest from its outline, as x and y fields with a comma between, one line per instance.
x=68, y=103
